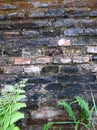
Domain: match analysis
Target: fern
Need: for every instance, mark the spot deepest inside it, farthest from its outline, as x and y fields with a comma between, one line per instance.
x=19, y=97
x=15, y=117
x=48, y=126
x=13, y=127
x=18, y=106
x=10, y=103
x=85, y=111
x=86, y=114
x=68, y=108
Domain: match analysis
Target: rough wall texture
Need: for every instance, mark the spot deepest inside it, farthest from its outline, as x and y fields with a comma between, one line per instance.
x=30, y=47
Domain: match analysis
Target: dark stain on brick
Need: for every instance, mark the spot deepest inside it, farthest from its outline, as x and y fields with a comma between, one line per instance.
x=53, y=51
x=54, y=87
x=72, y=69
x=76, y=78
x=50, y=69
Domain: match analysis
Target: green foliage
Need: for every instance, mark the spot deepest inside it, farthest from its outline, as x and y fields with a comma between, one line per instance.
x=48, y=126
x=85, y=111
x=68, y=108
x=86, y=114
x=10, y=104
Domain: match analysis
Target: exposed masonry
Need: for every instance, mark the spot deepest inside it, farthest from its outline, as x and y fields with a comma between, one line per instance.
x=54, y=45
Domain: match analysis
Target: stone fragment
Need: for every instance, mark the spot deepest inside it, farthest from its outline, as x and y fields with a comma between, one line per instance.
x=70, y=69
x=7, y=6
x=76, y=78
x=15, y=15
x=9, y=79
x=35, y=14
x=13, y=70
x=62, y=59
x=94, y=58
x=2, y=17
x=53, y=51
x=91, y=49
x=30, y=33
x=93, y=13
x=65, y=22
x=73, y=32
x=49, y=69
x=41, y=79
x=80, y=59
x=32, y=69
x=54, y=87
x=80, y=31
x=40, y=5
x=11, y=33
x=12, y=52
x=55, y=12
x=3, y=61
x=43, y=60
x=46, y=113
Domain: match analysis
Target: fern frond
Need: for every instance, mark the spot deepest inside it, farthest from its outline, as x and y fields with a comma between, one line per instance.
x=20, y=97
x=47, y=126
x=68, y=108
x=22, y=85
x=10, y=103
x=94, y=103
x=16, y=116
x=85, y=111
x=23, y=81
x=18, y=106
x=19, y=91
x=6, y=122
x=13, y=127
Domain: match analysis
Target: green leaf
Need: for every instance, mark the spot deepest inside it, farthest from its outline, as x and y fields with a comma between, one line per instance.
x=6, y=122
x=20, y=97
x=22, y=85
x=85, y=112
x=9, y=88
x=68, y=108
x=94, y=103
x=20, y=91
x=10, y=103
x=24, y=81
x=18, y=106
x=13, y=127
x=48, y=126
x=15, y=117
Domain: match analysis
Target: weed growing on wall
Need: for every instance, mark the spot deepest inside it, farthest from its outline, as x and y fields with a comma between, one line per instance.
x=86, y=114
x=10, y=103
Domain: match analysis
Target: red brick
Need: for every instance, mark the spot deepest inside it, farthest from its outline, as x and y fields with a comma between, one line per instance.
x=21, y=60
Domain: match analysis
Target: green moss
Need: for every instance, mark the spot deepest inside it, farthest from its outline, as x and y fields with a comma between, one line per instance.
x=74, y=49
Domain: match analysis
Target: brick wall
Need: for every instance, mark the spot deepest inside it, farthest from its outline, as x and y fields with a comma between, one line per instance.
x=54, y=45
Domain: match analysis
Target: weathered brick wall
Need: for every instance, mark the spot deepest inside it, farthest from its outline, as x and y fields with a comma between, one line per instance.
x=30, y=47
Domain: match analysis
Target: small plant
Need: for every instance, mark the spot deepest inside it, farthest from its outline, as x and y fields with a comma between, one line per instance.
x=86, y=114
x=10, y=104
